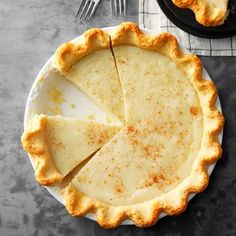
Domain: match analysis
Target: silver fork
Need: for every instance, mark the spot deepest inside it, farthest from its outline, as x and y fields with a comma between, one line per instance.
x=86, y=10
x=118, y=7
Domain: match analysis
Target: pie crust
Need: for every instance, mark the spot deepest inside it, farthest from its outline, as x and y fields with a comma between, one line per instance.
x=149, y=69
x=70, y=53
x=207, y=12
x=58, y=144
x=146, y=213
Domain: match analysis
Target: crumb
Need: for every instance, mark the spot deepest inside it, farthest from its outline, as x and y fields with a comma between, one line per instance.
x=56, y=95
x=72, y=106
x=109, y=119
x=56, y=110
x=39, y=83
x=91, y=117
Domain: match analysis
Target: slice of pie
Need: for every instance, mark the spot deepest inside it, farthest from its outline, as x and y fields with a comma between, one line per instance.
x=162, y=153
x=90, y=66
x=58, y=144
x=207, y=12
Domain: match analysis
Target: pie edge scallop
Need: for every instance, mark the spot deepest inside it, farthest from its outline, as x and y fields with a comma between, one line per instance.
x=147, y=213
x=205, y=13
x=46, y=172
x=69, y=53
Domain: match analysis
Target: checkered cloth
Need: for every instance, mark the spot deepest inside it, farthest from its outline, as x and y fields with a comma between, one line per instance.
x=151, y=17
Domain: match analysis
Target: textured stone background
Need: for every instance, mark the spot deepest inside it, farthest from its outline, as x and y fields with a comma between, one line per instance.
x=30, y=31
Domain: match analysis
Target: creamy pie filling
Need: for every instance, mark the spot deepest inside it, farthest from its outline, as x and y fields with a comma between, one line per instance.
x=95, y=74
x=70, y=141
x=155, y=151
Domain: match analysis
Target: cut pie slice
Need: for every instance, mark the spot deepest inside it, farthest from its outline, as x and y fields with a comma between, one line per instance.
x=207, y=12
x=160, y=156
x=90, y=66
x=58, y=144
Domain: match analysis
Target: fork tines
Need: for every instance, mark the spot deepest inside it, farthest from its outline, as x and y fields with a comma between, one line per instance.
x=86, y=10
x=118, y=7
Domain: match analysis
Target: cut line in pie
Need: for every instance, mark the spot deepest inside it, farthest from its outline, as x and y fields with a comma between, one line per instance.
x=169, y=136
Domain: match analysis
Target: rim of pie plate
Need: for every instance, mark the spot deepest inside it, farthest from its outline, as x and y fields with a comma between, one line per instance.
x=35, y=89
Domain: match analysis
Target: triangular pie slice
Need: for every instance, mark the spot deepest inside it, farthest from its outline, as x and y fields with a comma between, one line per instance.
x=90, y=66
x=160, y=157
x=207, y=12
x=58, y=144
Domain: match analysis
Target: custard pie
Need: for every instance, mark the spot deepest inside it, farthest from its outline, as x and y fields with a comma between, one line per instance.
x=169, y=137
x=207, y=12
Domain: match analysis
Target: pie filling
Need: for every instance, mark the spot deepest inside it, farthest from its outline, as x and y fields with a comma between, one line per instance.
x=71, y=140
x=96, y=76
x=154, y=152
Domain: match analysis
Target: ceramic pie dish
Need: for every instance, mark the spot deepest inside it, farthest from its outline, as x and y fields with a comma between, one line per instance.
x=207, y=12
x=162, y=135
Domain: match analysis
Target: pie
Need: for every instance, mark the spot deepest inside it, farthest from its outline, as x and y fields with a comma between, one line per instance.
x=58, y=144
x=207, y=12
x=159, y=156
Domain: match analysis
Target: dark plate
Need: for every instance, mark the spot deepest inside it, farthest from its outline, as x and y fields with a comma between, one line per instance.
x=185, y=20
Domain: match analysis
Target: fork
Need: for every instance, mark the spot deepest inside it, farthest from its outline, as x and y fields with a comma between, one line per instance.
x=118, y=7
x=86, y=10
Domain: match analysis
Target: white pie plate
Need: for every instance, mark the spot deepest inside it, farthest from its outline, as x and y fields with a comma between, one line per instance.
x=39, y=101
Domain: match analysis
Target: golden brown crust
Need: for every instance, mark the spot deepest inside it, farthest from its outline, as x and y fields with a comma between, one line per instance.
x=205, y=13
x=69, y=53
x=174, y=202
x=34, y=143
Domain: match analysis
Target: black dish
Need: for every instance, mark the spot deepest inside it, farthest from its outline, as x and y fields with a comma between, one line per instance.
x=185, y=20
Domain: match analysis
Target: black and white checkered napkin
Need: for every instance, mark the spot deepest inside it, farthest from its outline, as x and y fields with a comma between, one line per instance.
x=151, y=17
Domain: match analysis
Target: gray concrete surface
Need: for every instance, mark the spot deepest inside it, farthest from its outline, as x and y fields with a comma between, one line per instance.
x=30, y=31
